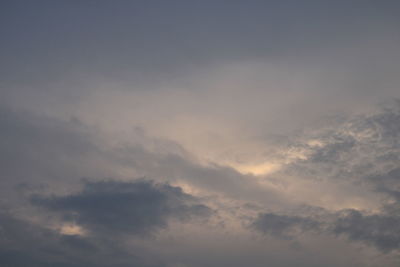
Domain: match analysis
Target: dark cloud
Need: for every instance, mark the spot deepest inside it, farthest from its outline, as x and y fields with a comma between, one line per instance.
x=113, y=207
x=284, y=226
x=24, y=243
x=382, y=231
x=46, y=155
x=109, y=211
x=379, y=230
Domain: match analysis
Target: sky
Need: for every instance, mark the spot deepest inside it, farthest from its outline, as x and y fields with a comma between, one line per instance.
x=199, y=133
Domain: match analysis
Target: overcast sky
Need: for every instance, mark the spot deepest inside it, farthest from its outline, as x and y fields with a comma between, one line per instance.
x=200, y=133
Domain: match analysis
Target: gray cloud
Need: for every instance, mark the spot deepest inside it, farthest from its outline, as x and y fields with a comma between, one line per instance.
x=378, y=230
x=284, y=226
x=257, y=121
x=41, y=145
x=381, y=231
x=113, y=207
x=360, y=151
x=24, y=243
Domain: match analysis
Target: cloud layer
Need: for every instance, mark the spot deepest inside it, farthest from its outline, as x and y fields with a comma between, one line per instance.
x=192, y=134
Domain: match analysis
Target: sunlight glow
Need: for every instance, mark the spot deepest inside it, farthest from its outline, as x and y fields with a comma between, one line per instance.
x=257, y=169
x=71, y=229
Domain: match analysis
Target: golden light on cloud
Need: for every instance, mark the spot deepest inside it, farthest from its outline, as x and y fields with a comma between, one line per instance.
x=256, y=169
x=72, y=229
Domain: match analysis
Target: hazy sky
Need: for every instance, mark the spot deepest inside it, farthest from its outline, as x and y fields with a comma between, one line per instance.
x=200, y=133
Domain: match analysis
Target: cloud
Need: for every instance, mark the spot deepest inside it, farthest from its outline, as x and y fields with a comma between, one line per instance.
x=225, y=113
x=355, y=159
x=382, y=231
x=379, y=230
x=356, y=149
x=46, y=147
x=284, y=226
x=112, y=207
x=24, y=243
x=110, y=212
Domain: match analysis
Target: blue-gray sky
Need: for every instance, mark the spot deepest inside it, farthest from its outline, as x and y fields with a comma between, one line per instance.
x=199, y=133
